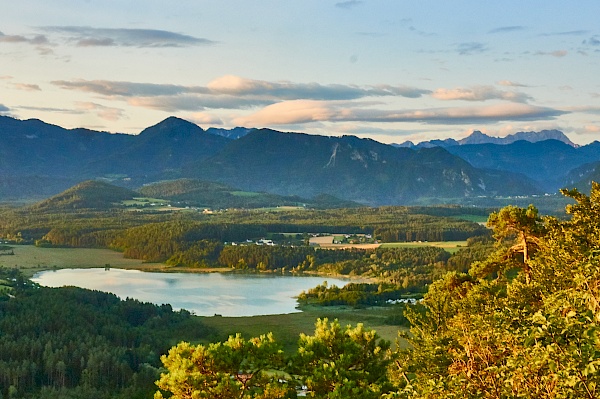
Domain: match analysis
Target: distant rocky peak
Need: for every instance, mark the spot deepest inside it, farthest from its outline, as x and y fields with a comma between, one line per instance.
x=478, y=137
x=543, y=135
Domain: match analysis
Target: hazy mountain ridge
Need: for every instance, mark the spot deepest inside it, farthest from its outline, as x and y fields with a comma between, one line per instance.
x=235, y=133
x=287, y=164
x=478, y=137
x=362, y=170
x=547, y=162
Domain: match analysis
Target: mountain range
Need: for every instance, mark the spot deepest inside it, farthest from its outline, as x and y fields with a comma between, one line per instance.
x=478, y=137
x=42, y=159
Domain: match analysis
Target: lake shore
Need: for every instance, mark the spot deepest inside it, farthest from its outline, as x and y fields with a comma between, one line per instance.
x=30, y=260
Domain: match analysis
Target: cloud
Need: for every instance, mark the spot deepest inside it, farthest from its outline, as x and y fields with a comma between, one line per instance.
x=40, y=41
x=195, y=103
x=471, y=48
x=302, y=111
x=127, y=89
x=585, y=109
x=50, y=109
x=348, y=4
x=556, y=53
x=26, y=87
x=236, y=85
x=35, y=40
x=510, y=83
x=479, y=93
x=12, y=38
x=202, y=118
x=4, y=109
x=592, y=41
x=85, y=36
x=248, y=91
x=508, y=29
x=567, y=33
x=104, y=112
x=592, y=129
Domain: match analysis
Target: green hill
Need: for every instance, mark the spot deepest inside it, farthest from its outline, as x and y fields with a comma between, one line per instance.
x=217, y=195
x=88, y=194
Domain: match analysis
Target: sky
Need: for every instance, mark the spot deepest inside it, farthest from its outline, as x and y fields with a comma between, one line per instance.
x=388, y=70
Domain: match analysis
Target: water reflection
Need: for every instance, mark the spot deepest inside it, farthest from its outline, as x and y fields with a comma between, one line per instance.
x=204, y=294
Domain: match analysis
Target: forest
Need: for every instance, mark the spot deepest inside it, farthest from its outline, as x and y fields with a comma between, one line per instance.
x=75, y=343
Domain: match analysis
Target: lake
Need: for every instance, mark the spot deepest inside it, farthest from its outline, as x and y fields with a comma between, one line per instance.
x=204, y=294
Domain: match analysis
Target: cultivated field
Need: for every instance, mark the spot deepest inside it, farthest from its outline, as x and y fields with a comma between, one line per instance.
x=31, y=259
x=450, y=246
x=327, y=242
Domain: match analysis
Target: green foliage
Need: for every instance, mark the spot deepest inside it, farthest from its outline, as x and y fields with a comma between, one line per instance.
x=88, y=194
x=237, y=368
x=335, y=362
x=530, y=334
x=339, y=362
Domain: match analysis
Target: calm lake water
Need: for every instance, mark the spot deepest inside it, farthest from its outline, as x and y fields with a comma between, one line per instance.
x=204, y=294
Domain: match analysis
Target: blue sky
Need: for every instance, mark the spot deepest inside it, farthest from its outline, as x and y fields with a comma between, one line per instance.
x=389, y=70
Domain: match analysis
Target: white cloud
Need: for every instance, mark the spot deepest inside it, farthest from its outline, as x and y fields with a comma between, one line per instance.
x=85, y=36
x=479, y=93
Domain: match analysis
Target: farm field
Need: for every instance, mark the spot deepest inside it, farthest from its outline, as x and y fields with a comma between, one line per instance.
x=450, y=246
x=287, y=327
x=31, y=259
x=327, y=242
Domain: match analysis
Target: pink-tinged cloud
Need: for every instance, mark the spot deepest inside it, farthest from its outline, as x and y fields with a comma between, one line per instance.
x=35, y=40
x=479, y=93
x=289, y=112
x=203, y=118
x=236, y=85
x=556, y=53
x=592, y=129
x=301, y=111
x=510, y=83
x=104, y=112
x=26, y=87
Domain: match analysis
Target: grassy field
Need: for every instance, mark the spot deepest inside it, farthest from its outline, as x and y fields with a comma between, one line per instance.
x=30, y=259
x=450, y=246
x=244, y=194
x=287, y=327
x=141, y=201
x=472, y=218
